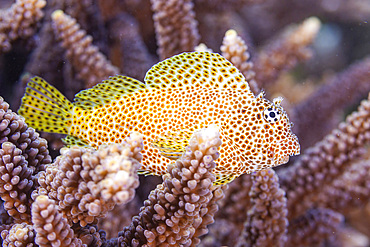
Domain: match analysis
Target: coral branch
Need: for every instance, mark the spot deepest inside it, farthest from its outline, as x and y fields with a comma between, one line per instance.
x=19, y=21
x=179, y=209
x=286, y=51
x=267, y=222
x=52, y=229
x=22, y=155
x=87, y=184
x=15, y=182
x=348, y=191
x=129, y=50
x=236, y=51
x=325, y=161
x=314, y=227
x=344, y=89
x=91, y=65
x=175, y=25
x=21, y=235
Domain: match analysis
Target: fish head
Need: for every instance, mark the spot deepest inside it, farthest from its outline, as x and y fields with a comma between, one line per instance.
x=269, y=137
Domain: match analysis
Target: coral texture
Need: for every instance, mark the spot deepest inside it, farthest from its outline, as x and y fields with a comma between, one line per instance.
x=91, y=64
x=178, y=211
x=19, y=21
x=175, y=26
x=87, y=184
x=50, y=226
x=285, y=52
x=235, y=50
x=266, y=223
x=22, y=235
x=325, y=161
x=22, y=155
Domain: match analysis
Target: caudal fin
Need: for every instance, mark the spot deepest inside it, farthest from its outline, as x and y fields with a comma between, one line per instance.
x=45, y=108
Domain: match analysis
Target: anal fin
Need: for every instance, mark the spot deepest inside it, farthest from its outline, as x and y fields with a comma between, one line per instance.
x=222, y=179
x=74, y=141
x=144, y=172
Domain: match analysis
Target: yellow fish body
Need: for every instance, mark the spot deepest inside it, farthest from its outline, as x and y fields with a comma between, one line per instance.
x=182, y=94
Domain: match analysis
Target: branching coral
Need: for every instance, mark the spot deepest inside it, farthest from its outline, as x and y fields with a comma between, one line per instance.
x=19, y=235
x=19, y=21
x=88, y=184
x=235, y=50
x=91, y=64
x=340, y=91
x=178, y=211
x=266, y=223
x=325, y=161
x=16, y=182
x=314, y=227
x=286, y=51
x=176, y=27
x=22, y=155
x=322, y=187
x=50, y=226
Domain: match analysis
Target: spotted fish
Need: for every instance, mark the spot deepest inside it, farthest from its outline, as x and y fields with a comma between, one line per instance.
x=181, y=95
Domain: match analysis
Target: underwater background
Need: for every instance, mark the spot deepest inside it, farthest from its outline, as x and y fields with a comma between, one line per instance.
x=315, y=54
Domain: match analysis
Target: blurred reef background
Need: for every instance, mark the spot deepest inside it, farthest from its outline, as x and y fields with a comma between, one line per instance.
x=313, y=53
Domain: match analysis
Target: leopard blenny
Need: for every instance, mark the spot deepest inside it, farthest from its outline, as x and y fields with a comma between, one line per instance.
x=182, y=94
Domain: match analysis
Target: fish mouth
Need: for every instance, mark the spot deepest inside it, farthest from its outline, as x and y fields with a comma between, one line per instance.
x=282, y=152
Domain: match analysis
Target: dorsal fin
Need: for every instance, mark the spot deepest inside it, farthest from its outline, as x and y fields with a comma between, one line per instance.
x=197, y=68
x=103, y=93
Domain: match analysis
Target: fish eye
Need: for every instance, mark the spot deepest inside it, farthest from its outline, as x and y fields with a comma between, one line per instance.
x=271, y=115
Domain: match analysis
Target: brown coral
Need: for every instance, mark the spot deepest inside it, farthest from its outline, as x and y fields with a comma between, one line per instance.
x=15, y=182
x=19, y=21
x=325, y=161
x=236, y=51
x=52, y=229
x=266, y=223
x=178, y=210
x=87, y=184
x=22, y=155
x=19, y=235
x=284, y=52
x=340, y=91
x=314, y=227
x=175, y=25
x=92, y=65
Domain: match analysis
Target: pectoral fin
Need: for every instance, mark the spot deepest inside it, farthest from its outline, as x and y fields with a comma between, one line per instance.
x=172, y=145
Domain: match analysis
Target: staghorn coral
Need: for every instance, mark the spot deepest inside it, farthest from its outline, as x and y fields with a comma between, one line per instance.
x=314, y=227
x=50, y=226
x=87, y=184
x=126, y=35
x=338, y=92
x=286, y=51
x=15, y=182
x=19, y=235
x=22, y=155
x=325, y=161
x=350, y=190
x=129, y=50
x=178, y=211
x=235, y=50
x=266, y=223
x=175, y=25
x=91, y=64
x=18, y=21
